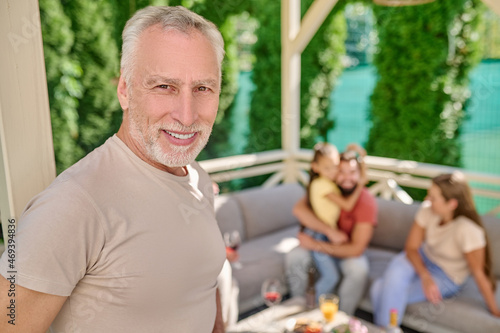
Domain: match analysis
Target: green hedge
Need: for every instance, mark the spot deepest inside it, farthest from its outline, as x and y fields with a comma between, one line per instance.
x=419, y=102
x=320, y=66
x=81, y=61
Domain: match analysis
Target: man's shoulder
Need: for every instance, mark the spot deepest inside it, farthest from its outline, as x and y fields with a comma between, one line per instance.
x=108, y=163
x=366, y=198
x=93, y=161
x=93, y=171
x=366, y=208
x=71, y=183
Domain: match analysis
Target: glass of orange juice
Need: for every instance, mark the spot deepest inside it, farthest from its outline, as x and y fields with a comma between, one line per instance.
x=328, y=305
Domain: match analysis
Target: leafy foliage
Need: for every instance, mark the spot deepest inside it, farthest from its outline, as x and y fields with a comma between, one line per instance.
x=265, y=118
x=96, y=50
x=82, y=62
x=63, y=81
x=491, y=31
x=425, y=54
x=320, y=65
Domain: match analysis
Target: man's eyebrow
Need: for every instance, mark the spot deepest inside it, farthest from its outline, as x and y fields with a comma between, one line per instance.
x=156, y=79
x=208, y=82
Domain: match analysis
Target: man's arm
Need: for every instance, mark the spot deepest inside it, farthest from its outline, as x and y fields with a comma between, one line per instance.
x=306, y=216
x=360, y=238
x=34, y=311
x=219, y=322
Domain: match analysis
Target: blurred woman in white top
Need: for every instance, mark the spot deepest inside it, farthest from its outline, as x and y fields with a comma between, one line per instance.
x=446, y=244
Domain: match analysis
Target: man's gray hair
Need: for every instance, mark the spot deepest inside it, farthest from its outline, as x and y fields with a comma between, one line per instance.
x=177, y=18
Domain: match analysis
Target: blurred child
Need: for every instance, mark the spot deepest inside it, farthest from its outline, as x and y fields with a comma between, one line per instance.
x=326, y=199
x=323, y=194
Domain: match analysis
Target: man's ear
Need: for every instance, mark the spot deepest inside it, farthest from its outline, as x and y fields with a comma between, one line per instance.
x=122, y=92
x=453, y=203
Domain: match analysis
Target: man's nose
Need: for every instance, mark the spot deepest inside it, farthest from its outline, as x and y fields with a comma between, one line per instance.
x=185, y=110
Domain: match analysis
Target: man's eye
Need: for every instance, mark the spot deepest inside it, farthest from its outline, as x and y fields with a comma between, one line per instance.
x=202, y=89
x=164, y=86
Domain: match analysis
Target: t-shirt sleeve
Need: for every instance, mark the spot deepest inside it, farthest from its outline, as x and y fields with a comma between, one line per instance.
x=368, y=209
x=58, y=238
x=424, y=214
x=471, y=236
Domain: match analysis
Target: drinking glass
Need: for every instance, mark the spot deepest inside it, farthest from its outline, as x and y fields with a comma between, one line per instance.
x=271, y=292
x=233, y=240
x=329, y=306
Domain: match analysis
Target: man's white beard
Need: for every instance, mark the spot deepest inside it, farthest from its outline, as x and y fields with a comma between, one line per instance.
x=176, y=156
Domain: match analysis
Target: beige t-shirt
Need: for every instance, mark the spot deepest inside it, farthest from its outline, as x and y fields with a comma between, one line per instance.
x=324, y=208
x=445, y=245
x=134, y=248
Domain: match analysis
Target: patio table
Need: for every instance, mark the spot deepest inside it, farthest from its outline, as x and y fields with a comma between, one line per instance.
x=275, y=319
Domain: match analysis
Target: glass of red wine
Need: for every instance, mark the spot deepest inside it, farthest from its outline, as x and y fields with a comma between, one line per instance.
x=271, y=292
x=233, y=240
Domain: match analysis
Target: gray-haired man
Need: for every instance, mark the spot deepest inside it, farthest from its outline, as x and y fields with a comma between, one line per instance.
x=126, y=239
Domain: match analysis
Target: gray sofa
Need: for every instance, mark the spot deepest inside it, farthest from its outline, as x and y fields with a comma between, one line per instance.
x=268, y=228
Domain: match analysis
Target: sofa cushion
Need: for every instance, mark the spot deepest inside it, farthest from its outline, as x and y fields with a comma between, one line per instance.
x=492, y=225
x=466, y=312
x=265, y=211
x=394, y=222
x=379, y=259
x=262, y=258
x=228, y=215
x=463, y=313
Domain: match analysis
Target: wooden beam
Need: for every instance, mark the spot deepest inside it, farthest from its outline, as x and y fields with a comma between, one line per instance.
x=314, y=17
x=290, y=85
x=294, y=38
x=27, y=163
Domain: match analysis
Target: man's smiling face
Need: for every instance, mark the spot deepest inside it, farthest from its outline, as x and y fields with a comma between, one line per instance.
x=173, y=97
x=348, y=176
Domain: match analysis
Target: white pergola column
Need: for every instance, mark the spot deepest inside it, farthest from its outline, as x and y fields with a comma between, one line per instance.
x=294, y=38
x=27, y=163
x=290, y=85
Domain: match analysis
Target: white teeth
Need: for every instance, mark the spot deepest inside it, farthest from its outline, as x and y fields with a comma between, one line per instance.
x=181, y=136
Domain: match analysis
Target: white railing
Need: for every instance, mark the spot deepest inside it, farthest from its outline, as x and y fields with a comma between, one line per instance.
x=388, y=174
